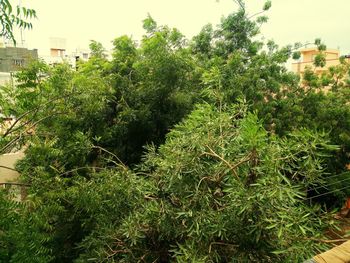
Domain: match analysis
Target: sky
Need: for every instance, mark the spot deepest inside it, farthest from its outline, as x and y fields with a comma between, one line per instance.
x=79, y=21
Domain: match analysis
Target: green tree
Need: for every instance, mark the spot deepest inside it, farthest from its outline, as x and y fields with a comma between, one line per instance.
x=11, y=17
x=154, y=89
x=219, y=189
x=97, y=50
x=231, y=181
x=249, y=72
x=222, y=190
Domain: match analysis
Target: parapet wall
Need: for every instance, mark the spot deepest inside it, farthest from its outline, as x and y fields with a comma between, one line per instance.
x=9, y=160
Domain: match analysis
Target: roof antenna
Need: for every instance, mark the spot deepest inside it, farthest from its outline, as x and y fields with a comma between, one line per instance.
x=21, y=29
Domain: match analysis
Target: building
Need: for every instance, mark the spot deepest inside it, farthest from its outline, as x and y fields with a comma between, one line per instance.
x=13, y=58
x=5, y=78
x=58, y=53
x=81, y=54
x=307, y=60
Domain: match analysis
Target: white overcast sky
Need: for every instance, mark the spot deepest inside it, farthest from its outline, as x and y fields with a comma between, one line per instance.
x=79, y=21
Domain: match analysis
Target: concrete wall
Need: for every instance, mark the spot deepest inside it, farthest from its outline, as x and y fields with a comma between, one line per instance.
x=5, y=78
x=13, y=58
x=9, y=160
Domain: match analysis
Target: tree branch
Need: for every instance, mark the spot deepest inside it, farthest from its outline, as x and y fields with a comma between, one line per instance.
x=232, y=167
x=214, y=154
x=36, y=109
x=30, y=127
x=328, y=241
x=241, y=4
x=8, y=168
x=16, y=184
x=83, y=167
x=258, y=13
x=115, y=156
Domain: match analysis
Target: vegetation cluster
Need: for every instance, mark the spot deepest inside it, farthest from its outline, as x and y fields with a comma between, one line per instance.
x=177, y=150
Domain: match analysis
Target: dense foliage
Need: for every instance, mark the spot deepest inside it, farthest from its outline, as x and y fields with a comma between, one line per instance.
x=173, y=150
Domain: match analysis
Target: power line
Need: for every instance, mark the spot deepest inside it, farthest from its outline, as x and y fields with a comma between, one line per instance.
x=325, y=186
x=336, y=175
x=330, y=192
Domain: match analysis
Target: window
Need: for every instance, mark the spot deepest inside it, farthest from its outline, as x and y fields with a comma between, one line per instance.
x=18, y=62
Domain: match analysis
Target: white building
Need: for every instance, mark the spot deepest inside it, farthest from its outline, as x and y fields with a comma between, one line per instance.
x=58, y=53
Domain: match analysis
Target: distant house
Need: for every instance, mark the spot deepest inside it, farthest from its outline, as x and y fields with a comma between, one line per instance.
x=14, y=58
x=307, y=60
x=58, y=53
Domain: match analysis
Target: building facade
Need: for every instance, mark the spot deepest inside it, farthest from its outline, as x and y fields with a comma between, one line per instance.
x=14, y=58
x=307, y=60
x=58, y=53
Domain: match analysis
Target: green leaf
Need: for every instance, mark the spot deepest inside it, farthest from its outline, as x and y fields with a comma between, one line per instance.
x=267, y=5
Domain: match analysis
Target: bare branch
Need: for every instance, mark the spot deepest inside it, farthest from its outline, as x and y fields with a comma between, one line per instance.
x=28, y=129
x=256, y=14
x=36, y=109
x=328, y=241
x=83, y=167
x=8, y=168
x=16, y=184
x=214, y=154
x=241, y=4
x=115, y=156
